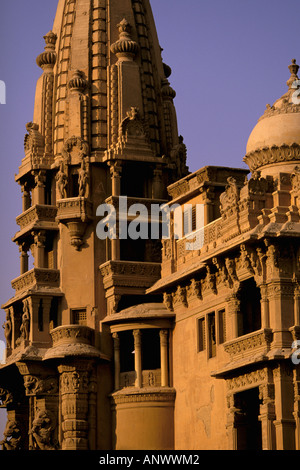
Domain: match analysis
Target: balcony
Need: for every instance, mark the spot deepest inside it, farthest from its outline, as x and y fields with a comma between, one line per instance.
x=37, y=217
x=129, y=274
x=36, y=280
x=250, y=346
x=150, y=378
x=76, y=213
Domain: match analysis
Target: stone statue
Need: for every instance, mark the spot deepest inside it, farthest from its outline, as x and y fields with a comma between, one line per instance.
x=179, y=157
x=42, y=431
x=62, y=182
x=12, y=436
x=25, y=326
x=83, y=180
x=8, y=329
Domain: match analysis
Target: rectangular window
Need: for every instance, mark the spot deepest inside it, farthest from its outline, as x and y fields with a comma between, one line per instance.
x=211, y=326
x=222, y=326
x=201, y=335
x=79, y=317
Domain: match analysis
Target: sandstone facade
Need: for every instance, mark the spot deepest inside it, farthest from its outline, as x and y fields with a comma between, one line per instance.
x=213, y=329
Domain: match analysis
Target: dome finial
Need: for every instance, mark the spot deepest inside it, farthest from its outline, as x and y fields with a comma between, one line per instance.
x=294, y=70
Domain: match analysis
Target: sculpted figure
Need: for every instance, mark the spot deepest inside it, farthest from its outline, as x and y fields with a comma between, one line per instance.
x=12, y=436
x=25, y=326
x=62, y=182
x=42, y=431
x=83, y=180
x=8, y=329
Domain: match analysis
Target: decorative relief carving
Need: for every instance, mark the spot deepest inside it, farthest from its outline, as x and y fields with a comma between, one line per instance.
x=256, y=340
x=34, y=144
x=12, y=436
x=247, y=380
x=6, y=398
x=43, y=428
x=35, y=386
x=37, y=277
x=272, y=155
x=36, y=214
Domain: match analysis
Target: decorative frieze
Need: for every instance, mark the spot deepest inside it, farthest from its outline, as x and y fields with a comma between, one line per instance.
x=36, y=215
x=129, y=273
x=37, y=279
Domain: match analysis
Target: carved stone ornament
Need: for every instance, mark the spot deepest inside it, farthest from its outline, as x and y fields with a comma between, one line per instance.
x=34, y=143
x=12, y=436
x=231, y=195
x=40, y=386
x=125, y=48
x=6, y=398
x=42, y=431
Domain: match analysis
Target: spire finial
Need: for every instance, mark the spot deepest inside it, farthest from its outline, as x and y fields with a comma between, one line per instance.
x=294, y=70
x=125, y=48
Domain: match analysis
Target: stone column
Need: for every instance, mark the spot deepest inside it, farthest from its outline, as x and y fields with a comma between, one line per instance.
x=297, y=306
x=74, y=396
x=39, y=249
x=164, y=358
x=38, y=193
x=41, y=388
x=26, y=197
x=138, y=357
x=284, y=407
x=23, y=259
x=233, y=304
x=265, y=321
x=267, y=416
x=117, y=360
x=115, y=173
x=232, y=423
x=296, y=412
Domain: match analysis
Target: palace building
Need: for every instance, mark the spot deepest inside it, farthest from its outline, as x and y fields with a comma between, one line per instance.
x=145, y=344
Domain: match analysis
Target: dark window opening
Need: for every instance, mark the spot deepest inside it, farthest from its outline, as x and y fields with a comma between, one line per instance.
x=126, y=351
x=201, y=335
x=222, y=326
x=250, y=307
x=150, y=349
x=249, y=434
x=135, y=180
x=54, y=313
x=212, y=345
x=41, y=316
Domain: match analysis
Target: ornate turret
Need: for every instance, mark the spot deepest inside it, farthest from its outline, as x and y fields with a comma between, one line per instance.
x=104, y=126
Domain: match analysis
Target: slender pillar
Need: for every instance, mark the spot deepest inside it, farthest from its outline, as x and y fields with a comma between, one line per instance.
x=23, y=259
x=38, y=193
x=117, y=360
x=265, y=322
x=234, y=314
x=267, y=416
x=39, y=249
x=164, y=358
x=115, y=172
x=138, y=357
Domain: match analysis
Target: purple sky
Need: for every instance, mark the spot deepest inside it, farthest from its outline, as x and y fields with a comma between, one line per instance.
x=229, y=59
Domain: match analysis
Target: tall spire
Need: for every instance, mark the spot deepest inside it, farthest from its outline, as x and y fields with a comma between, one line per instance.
x=113, y=47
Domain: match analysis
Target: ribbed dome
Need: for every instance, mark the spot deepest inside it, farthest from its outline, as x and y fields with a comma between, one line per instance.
x=274, y=143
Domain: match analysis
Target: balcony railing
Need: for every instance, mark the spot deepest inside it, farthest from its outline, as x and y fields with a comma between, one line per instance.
x=37, y=279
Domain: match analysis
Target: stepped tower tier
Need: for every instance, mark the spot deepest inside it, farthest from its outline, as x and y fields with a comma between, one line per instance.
x=104, y=126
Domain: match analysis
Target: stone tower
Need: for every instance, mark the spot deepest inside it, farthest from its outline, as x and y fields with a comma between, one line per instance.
x=104, y=126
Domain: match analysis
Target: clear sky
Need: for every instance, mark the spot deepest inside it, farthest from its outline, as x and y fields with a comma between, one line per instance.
x=229, y=59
